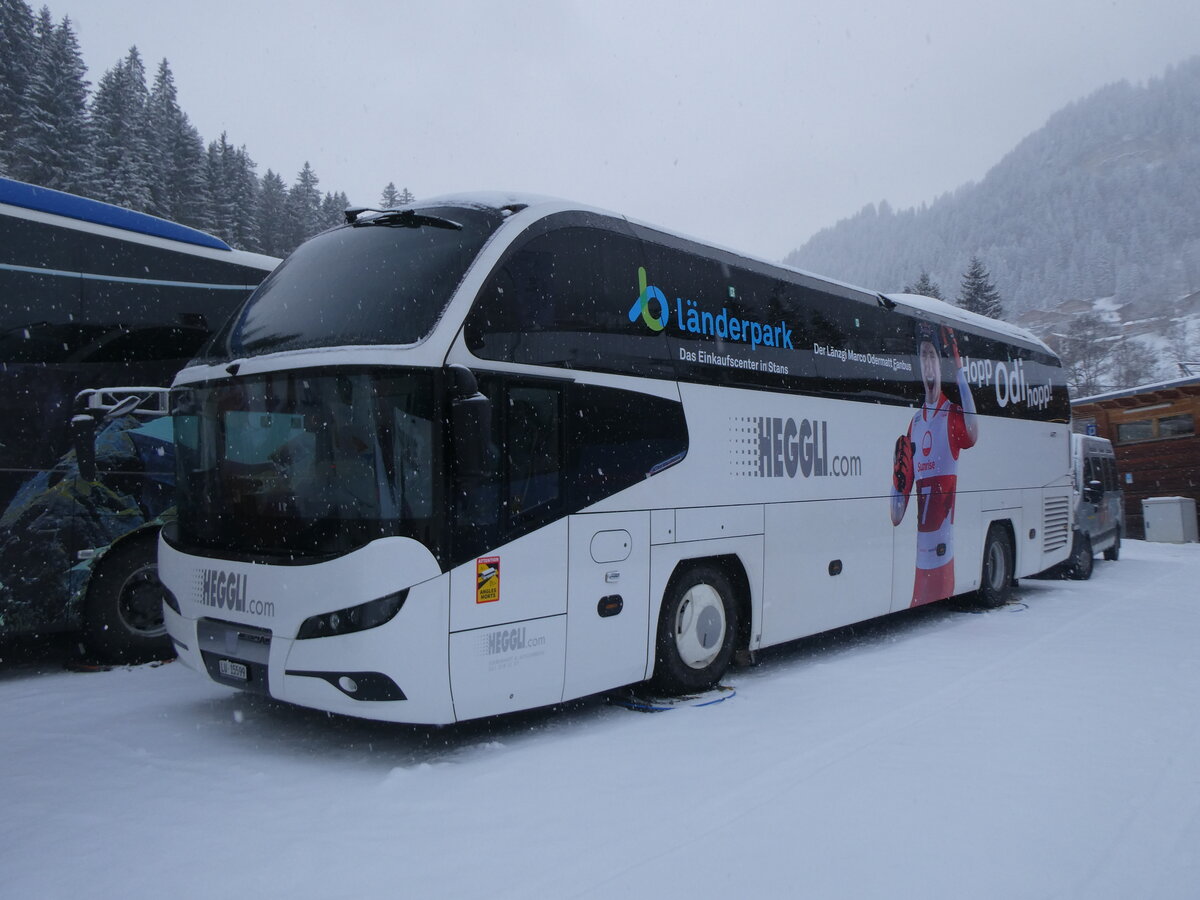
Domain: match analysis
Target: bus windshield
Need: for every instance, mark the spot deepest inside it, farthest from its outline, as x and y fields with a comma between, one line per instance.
x=305, y=464
x=381, y=280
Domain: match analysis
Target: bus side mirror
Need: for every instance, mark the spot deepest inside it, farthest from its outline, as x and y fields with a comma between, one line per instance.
x=470, y=423
x=83, y=433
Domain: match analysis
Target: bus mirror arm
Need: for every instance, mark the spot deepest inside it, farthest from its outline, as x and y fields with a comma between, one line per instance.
x=470, y=423
x=83, y=438
x=83, y=432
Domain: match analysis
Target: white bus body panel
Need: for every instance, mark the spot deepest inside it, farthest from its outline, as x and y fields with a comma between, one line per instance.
x=508, y=642
x=609, y=557
x=502, y=669
x=279, y=598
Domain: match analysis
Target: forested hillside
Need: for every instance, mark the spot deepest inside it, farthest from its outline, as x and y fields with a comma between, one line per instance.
x=130, y=143
x=1100, y=202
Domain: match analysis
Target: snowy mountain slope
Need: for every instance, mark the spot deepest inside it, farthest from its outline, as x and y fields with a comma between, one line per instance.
x=1096, y=203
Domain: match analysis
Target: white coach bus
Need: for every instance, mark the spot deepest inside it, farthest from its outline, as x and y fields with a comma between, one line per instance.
x=488, y=453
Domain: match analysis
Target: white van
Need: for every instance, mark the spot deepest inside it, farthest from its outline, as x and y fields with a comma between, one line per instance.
x=1099, y=504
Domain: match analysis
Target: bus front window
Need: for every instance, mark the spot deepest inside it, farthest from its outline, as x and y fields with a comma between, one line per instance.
x=383, y=280
x=305, y=463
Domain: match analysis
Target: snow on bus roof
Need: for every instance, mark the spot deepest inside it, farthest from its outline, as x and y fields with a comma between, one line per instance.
x=944, y=310
x=83, y=209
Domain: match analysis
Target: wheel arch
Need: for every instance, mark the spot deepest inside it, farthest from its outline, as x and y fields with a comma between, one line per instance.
x=103, y=589
x=85, y=575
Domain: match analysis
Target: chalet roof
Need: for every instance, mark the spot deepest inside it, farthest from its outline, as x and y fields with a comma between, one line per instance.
x=1173, y=389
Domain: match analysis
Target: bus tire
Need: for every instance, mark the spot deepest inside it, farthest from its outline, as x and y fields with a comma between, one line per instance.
x=697, y=628
x=1113, y=553
x=1079, y=566
x=996, y=580
x=123, y=610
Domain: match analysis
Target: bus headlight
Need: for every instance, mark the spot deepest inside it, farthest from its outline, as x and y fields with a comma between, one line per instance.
x=354, y=618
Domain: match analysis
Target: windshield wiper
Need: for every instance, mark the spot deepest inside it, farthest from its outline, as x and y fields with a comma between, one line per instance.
x=398, y=218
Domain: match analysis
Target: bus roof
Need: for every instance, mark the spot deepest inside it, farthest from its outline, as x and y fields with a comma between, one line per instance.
x=47, y=200
x=514, y=202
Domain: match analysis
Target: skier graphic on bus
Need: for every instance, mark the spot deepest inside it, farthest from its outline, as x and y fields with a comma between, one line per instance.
x=926, y=461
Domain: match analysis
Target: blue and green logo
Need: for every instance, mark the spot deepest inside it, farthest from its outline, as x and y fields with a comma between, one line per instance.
x=691, y=319
x=641, y=306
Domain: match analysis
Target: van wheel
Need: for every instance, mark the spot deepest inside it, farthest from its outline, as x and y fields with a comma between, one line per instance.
x=123, y=611
x=1079, y=566
x=1114, y=552
x=696, y=630
x=995, y=583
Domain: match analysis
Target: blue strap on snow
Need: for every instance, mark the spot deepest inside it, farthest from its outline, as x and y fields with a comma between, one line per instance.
x=630, y=700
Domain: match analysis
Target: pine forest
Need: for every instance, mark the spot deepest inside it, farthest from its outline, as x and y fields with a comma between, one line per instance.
x=128, y=142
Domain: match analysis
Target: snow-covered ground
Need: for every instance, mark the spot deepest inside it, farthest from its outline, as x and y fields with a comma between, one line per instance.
x=1050, y=748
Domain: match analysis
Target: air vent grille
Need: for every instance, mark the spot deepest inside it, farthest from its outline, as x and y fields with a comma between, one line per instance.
x=1056, y=523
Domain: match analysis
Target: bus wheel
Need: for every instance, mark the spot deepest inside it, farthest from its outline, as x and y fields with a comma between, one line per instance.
x=1114, y=552
x=995, y=585
x=1079, y=566
x=123, y=611
x=696, y=631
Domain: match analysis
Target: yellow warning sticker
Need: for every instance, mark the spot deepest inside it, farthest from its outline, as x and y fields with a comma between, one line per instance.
x=487, y=579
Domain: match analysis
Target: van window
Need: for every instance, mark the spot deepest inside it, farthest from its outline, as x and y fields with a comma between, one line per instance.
x=1110, y=474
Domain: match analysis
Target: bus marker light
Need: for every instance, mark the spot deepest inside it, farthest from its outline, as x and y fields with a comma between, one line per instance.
x=610, y=605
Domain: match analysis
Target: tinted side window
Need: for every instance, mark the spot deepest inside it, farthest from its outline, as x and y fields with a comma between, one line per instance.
x=533, y=461
x=618, y=439
x=522, y=484
x=39, y=317
x=556, y=448
x=569, y=298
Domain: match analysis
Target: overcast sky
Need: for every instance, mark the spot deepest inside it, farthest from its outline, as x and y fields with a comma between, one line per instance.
x=749, y=124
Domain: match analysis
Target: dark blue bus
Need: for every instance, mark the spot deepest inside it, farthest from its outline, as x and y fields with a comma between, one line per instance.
x=99, y=307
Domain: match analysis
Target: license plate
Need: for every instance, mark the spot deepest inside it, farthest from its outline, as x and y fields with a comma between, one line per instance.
x=231, y=669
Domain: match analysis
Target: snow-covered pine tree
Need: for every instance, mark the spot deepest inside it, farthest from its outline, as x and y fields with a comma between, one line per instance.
x=333, y=209
x=49, y=142
x=123, y=167
x=244, y=188
x=178, y=183
x=304, y=207
x=217, y=166
x=925, y=286
x=390, y=198
x=272, y=215
x=1086, y=350
x=18, y=54
x=406, y=197
x=233, y=191
x=977, y=293
x=1131, y=365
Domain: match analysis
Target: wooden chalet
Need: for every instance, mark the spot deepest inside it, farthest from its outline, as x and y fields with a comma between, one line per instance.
x=1153, y=430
